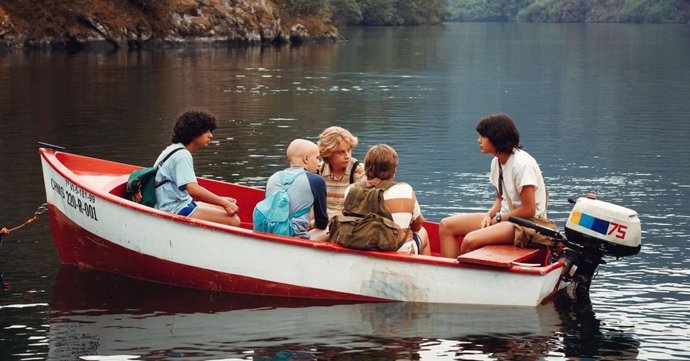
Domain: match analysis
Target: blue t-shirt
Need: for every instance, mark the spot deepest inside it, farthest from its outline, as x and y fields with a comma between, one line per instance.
x=178, y=171
x=308, y=189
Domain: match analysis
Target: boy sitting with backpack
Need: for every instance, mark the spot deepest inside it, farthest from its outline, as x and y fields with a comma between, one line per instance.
x=291, y=194
x=367, y=224
x=176, y=186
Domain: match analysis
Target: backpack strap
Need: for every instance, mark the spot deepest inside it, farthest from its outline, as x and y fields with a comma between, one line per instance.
x=168, y=156
x=373, y=204
x=352, y=171
x=386, y=184
x=163, y=161
x=288, y=181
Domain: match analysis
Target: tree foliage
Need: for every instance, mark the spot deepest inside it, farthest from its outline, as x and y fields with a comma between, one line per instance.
x=372, y=12
x=570, y=10
x=651, y=11
x=346, y=12
x=413, y=12
x=486, y=10
x=307, y=7
x=379, y=12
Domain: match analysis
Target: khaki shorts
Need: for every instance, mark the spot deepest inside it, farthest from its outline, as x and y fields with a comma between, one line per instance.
x=527, y=237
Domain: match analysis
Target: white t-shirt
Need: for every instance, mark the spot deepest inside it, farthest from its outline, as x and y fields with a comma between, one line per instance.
x=519, y=171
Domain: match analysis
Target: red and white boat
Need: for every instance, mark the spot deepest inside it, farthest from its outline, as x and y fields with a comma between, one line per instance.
x=94, y=226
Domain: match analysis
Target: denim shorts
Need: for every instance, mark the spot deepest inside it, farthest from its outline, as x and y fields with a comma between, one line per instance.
x=188, y=210
x=418, y=241
x=413, y=246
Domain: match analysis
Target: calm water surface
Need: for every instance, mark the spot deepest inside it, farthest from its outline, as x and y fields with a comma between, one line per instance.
x=603, y=108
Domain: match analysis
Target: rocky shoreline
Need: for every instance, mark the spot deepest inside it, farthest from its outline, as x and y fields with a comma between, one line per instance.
x=76, y=25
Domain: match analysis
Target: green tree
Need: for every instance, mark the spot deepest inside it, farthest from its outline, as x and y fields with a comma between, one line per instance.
x=650, y=11
x=541, y=11
x=346, y=12
x=486, y=10
x=307, y=7
x=414, y=12
x=389, y=12
x=379, y=12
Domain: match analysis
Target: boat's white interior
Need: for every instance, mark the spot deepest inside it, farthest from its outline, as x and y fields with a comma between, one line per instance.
x=111, y=177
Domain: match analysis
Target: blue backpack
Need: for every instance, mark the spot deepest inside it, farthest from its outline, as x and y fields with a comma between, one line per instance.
x=272, y=215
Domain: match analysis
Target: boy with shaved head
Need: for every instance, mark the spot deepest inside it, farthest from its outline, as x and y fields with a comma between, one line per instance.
x=307, y=189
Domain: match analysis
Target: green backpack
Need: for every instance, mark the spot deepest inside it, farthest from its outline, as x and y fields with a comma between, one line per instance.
x=141, y=184
x=365, y=223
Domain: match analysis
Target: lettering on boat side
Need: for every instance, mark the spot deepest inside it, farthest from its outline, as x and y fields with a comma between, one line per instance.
x=57, y=188
x=77, y=198
x=80, y=192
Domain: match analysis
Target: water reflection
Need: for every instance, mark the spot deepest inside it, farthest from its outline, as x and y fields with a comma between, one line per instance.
x=98, y=314
x=586, y=336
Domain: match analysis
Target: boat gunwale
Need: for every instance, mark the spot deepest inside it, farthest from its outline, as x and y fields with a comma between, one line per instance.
x=50, y=156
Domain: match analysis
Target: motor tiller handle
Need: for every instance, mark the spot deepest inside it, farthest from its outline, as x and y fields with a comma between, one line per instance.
x=548, y=232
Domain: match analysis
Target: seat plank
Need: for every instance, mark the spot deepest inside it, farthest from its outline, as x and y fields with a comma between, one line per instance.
x=501, y=256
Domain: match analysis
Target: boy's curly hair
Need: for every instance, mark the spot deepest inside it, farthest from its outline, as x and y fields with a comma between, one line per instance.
x=192, y=124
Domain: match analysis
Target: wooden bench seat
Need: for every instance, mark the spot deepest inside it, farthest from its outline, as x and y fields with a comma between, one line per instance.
x=502, y=256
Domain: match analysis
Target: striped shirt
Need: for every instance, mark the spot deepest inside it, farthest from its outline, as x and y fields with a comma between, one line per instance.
x=401, y=201
x=335, y=187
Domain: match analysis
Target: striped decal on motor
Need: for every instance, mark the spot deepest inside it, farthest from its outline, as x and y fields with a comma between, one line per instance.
x=590, y=222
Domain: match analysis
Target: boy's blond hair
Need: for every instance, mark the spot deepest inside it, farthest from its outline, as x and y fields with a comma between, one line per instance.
x=332, y=138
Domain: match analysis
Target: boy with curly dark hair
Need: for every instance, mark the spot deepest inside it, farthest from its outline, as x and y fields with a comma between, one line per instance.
x=178, y=189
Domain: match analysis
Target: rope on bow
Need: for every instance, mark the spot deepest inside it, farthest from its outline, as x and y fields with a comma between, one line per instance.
x=41, y=209
x=5, y=231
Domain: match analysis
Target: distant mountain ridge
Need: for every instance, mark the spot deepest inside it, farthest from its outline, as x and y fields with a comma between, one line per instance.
x=80, y=24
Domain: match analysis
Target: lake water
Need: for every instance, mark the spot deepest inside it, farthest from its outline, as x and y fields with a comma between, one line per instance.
x=603, y=108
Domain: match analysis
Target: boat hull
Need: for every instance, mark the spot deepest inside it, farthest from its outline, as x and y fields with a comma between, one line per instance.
x=92, y=227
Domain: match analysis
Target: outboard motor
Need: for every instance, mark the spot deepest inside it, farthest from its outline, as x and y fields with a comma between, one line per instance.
x=594, y=229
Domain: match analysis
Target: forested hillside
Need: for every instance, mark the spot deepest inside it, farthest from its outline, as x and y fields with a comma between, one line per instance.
x=635, y=11
x=387, y=12
x=80, y=24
